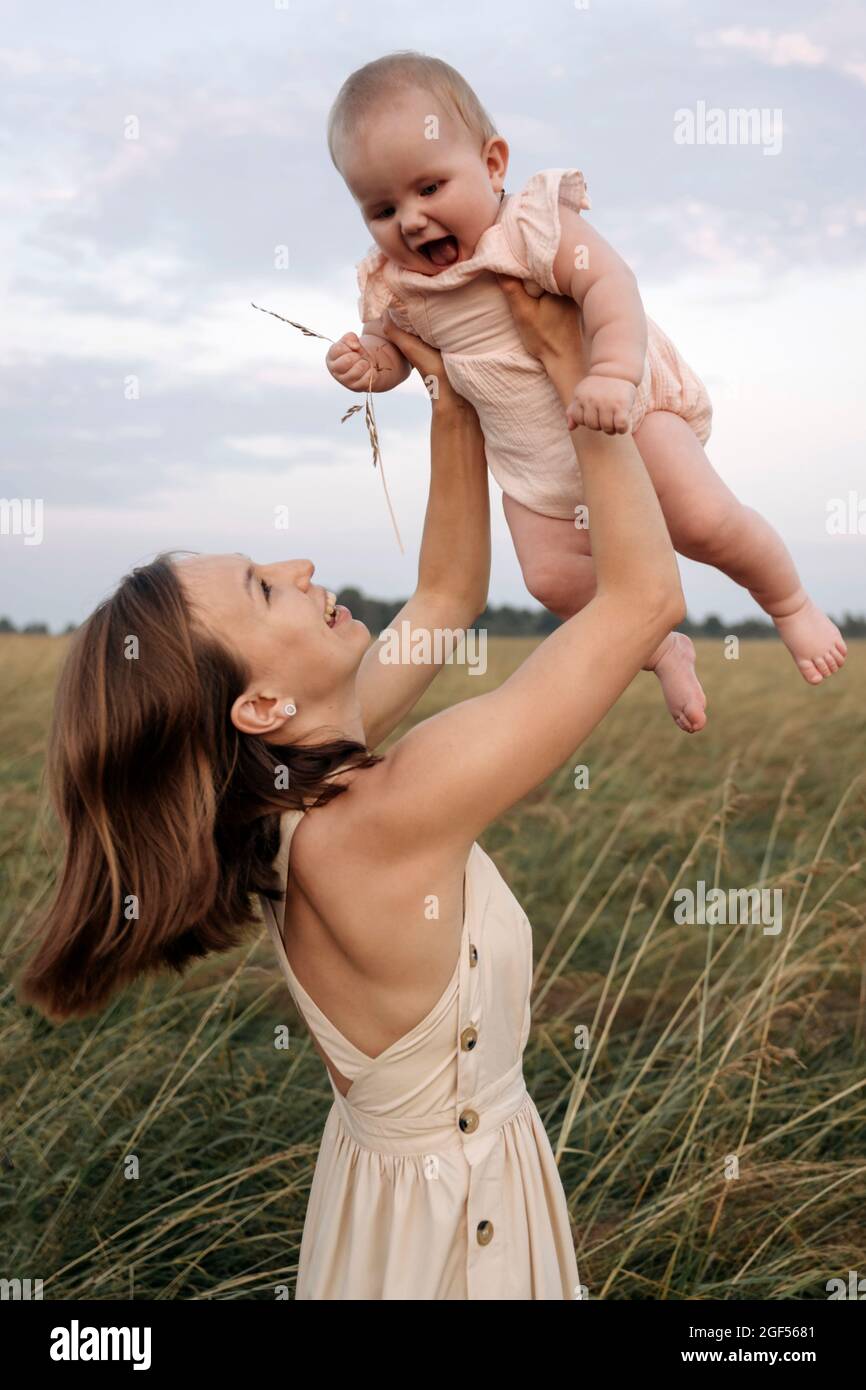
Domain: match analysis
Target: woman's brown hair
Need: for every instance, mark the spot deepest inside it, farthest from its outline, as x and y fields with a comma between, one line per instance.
x=170, y=814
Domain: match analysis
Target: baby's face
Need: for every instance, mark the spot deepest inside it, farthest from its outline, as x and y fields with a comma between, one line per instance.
x=425, y=201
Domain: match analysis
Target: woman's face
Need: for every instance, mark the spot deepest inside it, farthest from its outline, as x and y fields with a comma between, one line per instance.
x=274, y=618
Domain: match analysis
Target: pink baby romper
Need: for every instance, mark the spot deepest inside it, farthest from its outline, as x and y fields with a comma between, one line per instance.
x=462, y=312
x=435, y=1178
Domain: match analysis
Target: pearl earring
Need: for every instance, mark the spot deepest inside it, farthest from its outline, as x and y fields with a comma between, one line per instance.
x=290, y=708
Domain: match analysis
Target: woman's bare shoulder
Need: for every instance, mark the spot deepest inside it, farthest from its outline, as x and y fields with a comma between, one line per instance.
x=360, y=877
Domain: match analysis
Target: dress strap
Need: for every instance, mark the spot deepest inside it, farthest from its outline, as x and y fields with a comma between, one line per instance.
x=342, y=1054
x=289, y=822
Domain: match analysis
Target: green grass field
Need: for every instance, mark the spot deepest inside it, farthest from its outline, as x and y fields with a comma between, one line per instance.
x=712, y=1135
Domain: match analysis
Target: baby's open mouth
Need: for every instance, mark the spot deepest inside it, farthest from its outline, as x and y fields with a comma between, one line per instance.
x=441, y=251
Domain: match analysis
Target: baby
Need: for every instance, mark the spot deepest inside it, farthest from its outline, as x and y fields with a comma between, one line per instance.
x=426, y=167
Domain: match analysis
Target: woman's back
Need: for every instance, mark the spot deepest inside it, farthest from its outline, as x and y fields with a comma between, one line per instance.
x=373, y=936
x=342, y=1024
x=436, y=1158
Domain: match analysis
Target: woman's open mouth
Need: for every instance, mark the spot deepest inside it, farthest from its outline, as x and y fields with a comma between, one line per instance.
x=441, y=251
x=336, y=613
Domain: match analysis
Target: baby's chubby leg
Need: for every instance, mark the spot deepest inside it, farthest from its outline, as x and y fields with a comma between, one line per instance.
x=556, y=562
x=555, y=558
x=708, y=523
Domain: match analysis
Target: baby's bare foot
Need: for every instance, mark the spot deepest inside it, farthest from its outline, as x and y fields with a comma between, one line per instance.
x=815, y=643
x=674, y=664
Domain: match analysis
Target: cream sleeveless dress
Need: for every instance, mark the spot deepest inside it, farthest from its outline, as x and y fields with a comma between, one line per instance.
x=435, y=1177
x=462, y=311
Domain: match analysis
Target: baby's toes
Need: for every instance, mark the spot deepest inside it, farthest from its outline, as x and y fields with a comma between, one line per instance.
x=694, y=708
x=810, y=671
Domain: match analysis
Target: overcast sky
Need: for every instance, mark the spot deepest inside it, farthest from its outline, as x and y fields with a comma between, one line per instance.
x=139, y=258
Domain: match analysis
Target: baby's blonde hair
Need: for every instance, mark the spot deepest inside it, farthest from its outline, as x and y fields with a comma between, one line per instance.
x=364, y=90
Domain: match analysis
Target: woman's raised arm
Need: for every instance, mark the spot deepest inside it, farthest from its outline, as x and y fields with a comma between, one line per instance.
x=453, y=774
x=454, y=560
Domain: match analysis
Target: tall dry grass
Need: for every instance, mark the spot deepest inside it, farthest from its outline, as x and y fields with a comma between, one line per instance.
x=711, y=1134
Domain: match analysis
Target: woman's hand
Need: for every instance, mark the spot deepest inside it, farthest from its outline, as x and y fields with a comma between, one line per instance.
x=428, y=363
x=550, y=329
x=548, y=324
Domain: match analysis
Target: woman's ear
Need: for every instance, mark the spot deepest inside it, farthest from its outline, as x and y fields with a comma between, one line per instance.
x=257, y=714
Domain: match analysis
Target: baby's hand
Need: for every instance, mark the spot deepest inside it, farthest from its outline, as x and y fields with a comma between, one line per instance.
x=350, y=361
x=602, y=403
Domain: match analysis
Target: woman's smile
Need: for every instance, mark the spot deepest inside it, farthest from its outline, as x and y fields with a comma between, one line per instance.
x=335, y=613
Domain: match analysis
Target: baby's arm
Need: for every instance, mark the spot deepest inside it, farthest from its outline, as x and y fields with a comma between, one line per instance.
x=350, y=358
x=589, y=270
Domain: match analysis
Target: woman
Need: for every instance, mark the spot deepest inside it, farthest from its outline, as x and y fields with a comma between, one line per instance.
x=210, y=718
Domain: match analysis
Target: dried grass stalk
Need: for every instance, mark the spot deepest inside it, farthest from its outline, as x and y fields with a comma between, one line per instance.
x=369, y=415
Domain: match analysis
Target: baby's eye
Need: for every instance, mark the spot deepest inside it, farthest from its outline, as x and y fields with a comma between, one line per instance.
x=266, y=589
x=431, y=188
x=386, y=212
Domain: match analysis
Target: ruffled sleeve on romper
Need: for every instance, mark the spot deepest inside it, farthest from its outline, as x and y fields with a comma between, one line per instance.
x=533, y=227
x=376, y=294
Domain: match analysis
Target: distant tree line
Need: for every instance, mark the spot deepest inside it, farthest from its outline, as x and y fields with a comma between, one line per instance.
x=504, y=620
x=850, y=625
x=32, y=629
